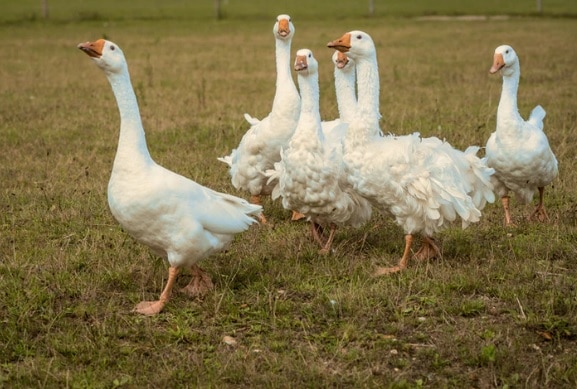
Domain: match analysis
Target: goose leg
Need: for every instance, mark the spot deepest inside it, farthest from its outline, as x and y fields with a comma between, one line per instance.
x=505, y=202
x=402, y=263
x=153, y=307
x=255, y=199
x=317, y=232
x=327, y=246
x=539, y=213
x=199, y=284
x=428, y=249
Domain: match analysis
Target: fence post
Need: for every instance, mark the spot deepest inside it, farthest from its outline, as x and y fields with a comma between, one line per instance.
x=371, y=7
x=45, y=9
x=217, y=9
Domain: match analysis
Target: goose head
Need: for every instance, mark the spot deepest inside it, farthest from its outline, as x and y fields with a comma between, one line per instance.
x=107, y=55
x=342, y=61
x=355, y=44
x=305, y=62
x=283, y=28
x=505, y=60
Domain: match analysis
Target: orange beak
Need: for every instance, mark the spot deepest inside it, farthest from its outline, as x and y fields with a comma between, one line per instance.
x=343, y=44
x=498, y=63
x=342, y=60
x=93, y=49
x=283, y=27
x=301, y=63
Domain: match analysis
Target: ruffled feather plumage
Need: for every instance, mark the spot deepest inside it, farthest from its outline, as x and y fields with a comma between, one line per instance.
x=310, y=176
x=424, y=183
x=260, y=147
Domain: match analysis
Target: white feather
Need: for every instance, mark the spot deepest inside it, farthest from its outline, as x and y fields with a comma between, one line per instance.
x=424, y=183
x=260, y=146
x=310, y=177
x=179, y=219
x=518, y=150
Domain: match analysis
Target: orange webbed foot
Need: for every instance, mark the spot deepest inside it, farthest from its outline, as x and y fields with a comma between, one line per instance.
x=200, y=283
x=296, y=216
x=428, y=250
x=383, y=271
x=149, y=308
x=539, y=214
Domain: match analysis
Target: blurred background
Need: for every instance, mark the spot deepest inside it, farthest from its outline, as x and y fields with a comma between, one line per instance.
x=65, y=10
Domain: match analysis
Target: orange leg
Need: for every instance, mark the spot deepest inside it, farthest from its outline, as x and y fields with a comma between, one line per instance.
x=199, y=284
x=153, y=307
x=316, y=232
x=505, y=202
x=327, y=246
x=428, y=249
x=539, y=213
x=402, y=263
x=255, y=199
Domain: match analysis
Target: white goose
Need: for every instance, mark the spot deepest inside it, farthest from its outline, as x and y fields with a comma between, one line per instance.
x=177, y=218
x=423, y=182
x=260, y=147
x=310, y=173
x=518, y=150
x=345, y=90
x=345, y=86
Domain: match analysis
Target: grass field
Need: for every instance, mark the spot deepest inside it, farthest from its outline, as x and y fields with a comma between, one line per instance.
x=61, y=10
x=498, y=310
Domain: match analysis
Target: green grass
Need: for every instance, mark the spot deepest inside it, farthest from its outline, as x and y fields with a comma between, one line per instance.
x=16, y=11
x=499, y=309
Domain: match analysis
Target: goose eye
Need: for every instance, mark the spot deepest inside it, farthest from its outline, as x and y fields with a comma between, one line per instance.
x=310, y=55
x=112, y=47
x=359, y=37
x=506, y=51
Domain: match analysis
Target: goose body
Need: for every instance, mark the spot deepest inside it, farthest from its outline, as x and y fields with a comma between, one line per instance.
x=311, y=173
x=260, y=147
x=518, y=150
x=424, y=183
x=179, y=219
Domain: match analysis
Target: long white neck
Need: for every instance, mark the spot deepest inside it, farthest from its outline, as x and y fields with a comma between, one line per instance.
x=346, y=94
x=508, y=109
x=309, y=123
x=366, y=122
x=286, y=91
x=132, y=150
